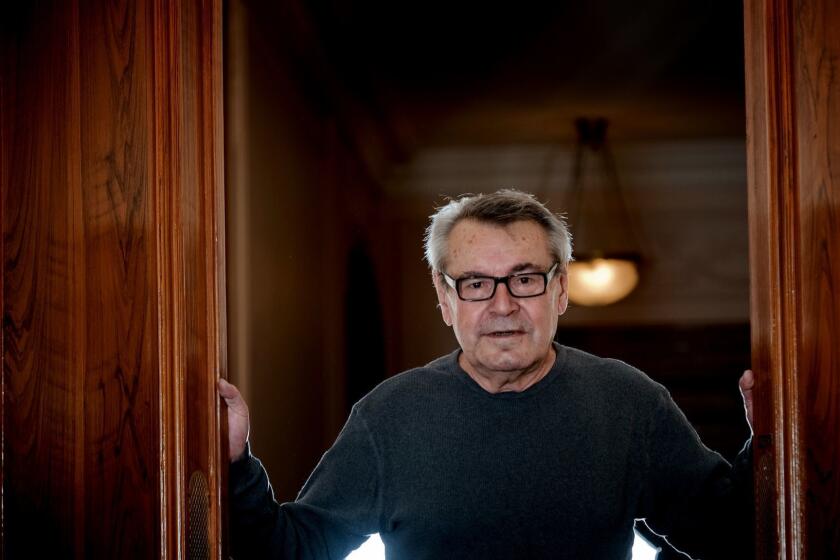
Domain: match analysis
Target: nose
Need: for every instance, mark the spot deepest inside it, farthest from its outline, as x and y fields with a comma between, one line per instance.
x=502, y=302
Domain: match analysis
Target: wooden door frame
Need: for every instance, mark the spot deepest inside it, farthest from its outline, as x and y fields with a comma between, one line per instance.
x=773, y=191
x=770, y=172
x=167, y=79
x=790, y=49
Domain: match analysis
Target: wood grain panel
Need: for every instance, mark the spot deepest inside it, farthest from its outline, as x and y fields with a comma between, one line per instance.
x=818, y=207
x=121, y=390
x=113, y=276
x=43, y=255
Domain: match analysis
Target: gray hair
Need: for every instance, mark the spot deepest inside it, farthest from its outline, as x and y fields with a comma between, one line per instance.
x=502, y=207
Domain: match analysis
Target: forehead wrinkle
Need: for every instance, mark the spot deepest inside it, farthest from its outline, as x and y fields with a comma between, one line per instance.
x=473, y=248
x=512, y=270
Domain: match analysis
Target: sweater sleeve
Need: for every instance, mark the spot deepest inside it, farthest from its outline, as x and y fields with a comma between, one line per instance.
x=332, y=515
x=691, y=495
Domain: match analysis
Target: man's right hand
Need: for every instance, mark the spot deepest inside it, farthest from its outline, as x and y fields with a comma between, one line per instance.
x=238, y=423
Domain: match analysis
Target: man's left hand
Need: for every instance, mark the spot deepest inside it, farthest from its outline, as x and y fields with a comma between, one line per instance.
x=746, y=384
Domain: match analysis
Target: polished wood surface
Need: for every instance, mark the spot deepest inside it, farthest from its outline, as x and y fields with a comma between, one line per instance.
x=795, y=263
x=763, y=93
x=44, y=331
x=113, y=300
x=818, y=213
x=201, y=234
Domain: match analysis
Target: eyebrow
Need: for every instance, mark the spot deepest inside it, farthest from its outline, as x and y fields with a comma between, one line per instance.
x=517, y=268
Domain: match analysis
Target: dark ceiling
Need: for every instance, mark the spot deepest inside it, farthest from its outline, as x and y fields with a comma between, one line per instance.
x=476, y=73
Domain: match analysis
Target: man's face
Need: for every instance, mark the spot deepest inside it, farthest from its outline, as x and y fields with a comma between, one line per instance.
x=504, y=334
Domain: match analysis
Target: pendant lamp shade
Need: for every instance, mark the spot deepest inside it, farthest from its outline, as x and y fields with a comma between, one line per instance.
x=608, y=253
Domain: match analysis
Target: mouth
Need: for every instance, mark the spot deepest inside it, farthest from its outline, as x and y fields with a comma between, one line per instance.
x=504, y=334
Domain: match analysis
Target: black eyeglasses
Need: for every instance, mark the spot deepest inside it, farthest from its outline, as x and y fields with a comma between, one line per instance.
x=521, y=284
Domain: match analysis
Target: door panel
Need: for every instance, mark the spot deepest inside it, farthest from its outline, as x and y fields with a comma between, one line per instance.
x=113, y=292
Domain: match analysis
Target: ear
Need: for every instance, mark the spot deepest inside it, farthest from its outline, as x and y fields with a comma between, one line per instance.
x=563, y=296
x=443, y=302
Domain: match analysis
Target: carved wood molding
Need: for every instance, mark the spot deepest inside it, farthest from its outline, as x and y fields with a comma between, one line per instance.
x=771, y=161
x=189, y=201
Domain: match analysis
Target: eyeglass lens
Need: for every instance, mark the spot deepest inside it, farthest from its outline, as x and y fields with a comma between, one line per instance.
x=520, y=285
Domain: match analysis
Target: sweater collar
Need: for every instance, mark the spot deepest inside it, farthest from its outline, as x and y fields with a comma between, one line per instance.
x=453, y=367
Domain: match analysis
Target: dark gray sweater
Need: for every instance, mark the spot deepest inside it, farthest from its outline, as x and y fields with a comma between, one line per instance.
x=443, y=469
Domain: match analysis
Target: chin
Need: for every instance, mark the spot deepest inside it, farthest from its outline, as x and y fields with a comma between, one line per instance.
x=505, y=361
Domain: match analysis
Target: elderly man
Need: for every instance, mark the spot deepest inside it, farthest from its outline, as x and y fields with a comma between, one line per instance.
x=511, y=447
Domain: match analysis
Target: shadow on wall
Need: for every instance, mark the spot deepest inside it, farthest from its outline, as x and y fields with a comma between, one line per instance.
x=363, y=328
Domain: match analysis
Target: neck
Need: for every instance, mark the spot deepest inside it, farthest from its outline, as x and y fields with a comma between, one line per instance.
x=516, y=381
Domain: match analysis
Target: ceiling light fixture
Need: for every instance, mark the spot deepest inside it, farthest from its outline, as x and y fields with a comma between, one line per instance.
x=607, y=249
